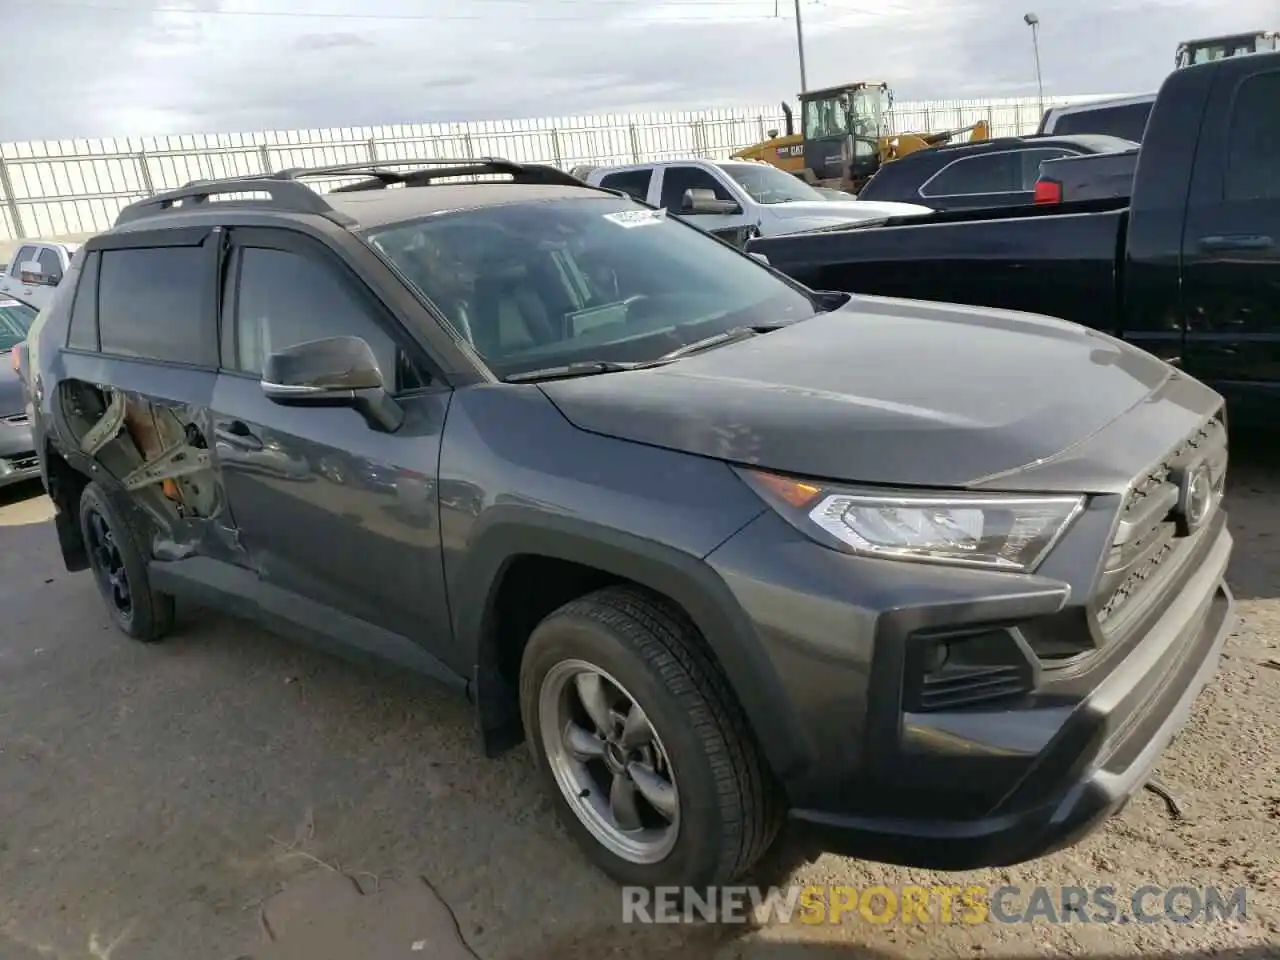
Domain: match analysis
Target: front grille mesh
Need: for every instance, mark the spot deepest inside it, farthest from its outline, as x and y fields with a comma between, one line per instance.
x=1147, y=538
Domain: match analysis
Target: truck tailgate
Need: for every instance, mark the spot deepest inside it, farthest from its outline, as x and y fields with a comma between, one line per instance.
x=1061, y=264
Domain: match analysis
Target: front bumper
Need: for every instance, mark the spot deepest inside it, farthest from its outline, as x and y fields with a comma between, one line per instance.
x=18, y=460
x=964, y=787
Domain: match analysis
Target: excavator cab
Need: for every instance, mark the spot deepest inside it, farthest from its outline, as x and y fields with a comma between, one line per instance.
x=842, y=129
x=1191, y=52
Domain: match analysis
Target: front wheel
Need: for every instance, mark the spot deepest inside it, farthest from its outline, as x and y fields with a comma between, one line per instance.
x=647, y=755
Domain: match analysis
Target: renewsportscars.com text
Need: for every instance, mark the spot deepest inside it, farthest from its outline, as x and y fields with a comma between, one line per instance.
x=1100, y=904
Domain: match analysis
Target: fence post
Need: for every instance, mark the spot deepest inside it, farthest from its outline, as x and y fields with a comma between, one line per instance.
x=555, y=147
x=373, y=150
x=991, y=121
x=144, y=173
x=635, y=144
x=760, y=120
x=11, y=201
x=468, y=145
x=265, y=154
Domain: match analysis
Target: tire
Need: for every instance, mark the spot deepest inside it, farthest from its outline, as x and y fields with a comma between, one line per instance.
x=120, y=568
x=727, y=808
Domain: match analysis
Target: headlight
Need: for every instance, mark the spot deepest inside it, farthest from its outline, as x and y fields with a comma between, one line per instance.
x=1010, y=532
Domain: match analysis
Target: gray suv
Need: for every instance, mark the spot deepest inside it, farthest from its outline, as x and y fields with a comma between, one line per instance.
x=937, y=583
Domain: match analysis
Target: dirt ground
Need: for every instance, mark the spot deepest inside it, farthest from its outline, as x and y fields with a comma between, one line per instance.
x=231, y=794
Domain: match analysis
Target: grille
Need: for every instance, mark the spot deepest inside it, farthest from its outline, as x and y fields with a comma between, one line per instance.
x=1147, y=539
x=27, y=461
x=963, y=688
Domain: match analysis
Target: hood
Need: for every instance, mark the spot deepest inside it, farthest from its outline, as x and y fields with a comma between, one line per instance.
x=899, y=392
x=842, y=211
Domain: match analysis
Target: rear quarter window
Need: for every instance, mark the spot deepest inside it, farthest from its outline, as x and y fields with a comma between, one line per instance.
x=1128, y=122
x=82, y=332
x=634, y=183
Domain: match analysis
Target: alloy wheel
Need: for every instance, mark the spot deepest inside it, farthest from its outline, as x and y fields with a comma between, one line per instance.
x=608, y=761
x=108, y=565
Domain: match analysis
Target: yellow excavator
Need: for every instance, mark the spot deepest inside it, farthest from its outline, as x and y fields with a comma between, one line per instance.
x=844, y=136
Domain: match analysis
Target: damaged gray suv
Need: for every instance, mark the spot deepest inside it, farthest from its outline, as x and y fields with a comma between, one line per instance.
x=936, y=584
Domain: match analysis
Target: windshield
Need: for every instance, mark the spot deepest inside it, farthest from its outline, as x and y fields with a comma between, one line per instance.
x=15, y=322
x=867, y=112
x=767, y=184
x=535, y=285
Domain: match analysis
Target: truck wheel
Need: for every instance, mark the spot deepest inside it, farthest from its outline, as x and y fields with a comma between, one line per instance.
x=647, y=755
x=120, y=569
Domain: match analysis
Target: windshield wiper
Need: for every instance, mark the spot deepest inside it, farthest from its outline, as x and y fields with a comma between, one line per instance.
x=732, y=335
x=583, y=368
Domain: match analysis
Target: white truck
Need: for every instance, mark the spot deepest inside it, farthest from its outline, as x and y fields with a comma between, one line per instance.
x=719, y=195
x=36, y=269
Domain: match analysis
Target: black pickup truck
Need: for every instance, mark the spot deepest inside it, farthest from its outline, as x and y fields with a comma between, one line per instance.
x=1187, y=266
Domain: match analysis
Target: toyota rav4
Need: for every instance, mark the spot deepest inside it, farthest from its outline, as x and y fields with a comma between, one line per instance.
x=937, y=583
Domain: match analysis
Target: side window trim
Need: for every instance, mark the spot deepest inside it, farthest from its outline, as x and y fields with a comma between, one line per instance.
x=316, y=252
x=980, y=156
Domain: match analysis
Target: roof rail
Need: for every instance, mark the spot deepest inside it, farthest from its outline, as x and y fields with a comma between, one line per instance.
x=286, y=194
x=525, y=173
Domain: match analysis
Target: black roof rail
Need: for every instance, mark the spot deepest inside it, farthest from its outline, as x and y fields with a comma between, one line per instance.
x=286, y=194
x=525, y=173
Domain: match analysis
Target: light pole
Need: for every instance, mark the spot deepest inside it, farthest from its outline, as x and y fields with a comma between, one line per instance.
x=1032, y=21
x=804, y=85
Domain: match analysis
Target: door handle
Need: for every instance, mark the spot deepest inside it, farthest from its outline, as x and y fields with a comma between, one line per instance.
x=1237, y=241
x=237, y=434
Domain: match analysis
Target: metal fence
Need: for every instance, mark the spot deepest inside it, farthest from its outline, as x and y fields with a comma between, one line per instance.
x=59, y=188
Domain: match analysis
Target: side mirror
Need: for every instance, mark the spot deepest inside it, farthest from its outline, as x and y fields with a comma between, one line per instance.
x=704, y=201
x=334, y=372
x=31, y=272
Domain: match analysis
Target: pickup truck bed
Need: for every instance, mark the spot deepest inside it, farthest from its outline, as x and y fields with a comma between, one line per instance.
x=1187, y=267
x=991, y=258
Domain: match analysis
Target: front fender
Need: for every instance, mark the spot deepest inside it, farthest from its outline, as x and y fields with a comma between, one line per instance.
x=511, y=531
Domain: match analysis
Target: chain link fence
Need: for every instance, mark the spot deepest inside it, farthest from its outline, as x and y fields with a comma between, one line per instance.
x=69, y=188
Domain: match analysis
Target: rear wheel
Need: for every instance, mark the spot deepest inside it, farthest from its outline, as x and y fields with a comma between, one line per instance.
x=646, y=754
x=120, y=569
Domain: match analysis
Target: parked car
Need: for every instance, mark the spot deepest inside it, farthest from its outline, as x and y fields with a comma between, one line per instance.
x=35, y=271
x=17, y=450
x=989, y=173
x=1188, y=268
x=1123, y=117
x=727, y=194
x=721, y=548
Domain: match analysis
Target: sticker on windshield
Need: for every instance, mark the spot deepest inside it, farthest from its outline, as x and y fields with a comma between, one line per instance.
x=636, y=218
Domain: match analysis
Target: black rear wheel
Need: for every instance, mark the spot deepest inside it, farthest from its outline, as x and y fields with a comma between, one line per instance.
x=120, y=569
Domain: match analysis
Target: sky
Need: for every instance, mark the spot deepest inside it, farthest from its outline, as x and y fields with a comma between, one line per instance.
x=134, y=67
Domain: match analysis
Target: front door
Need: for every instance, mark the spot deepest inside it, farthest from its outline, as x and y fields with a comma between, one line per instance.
x=1231, y=242
x=328, y=508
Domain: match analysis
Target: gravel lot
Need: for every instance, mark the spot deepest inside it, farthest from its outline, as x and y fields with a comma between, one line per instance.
x=155, y=801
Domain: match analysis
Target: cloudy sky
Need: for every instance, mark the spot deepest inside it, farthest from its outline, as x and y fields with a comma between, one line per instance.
x=121, y=67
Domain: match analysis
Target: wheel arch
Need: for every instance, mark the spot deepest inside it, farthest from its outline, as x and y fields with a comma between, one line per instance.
x=675, y=575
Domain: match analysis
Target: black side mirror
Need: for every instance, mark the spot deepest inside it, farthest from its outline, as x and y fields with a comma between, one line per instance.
x=334, y=372
x=697, y=200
